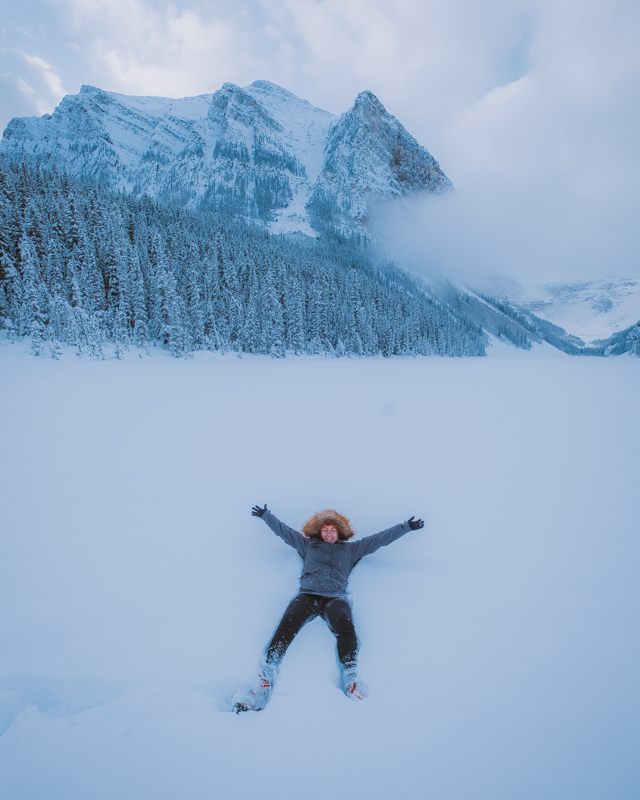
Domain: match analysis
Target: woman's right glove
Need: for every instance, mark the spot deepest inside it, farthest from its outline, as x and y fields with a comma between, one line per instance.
x=414, y=524
x=256, y=511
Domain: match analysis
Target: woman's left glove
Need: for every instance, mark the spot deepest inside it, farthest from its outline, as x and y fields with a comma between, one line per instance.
x=415, y=524
x=256, y=511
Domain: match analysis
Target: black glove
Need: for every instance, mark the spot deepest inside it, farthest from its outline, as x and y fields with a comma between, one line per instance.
x=414, y=524
x=256, y=511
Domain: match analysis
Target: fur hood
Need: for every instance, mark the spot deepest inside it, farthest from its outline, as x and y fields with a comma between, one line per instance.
x=312, y=527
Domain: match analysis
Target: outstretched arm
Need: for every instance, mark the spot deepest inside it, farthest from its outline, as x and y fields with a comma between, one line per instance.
x=370, y=544
x=289, y=535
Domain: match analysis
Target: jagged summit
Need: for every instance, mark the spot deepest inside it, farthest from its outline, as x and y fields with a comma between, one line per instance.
x=257, y=151
x=368, y=98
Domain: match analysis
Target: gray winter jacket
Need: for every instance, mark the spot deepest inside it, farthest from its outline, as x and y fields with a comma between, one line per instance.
x=327, y=566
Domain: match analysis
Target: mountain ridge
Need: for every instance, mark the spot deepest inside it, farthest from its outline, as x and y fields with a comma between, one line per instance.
x=259, y=152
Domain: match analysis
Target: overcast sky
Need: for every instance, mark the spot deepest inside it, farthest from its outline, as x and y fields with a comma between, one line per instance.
x=531, y=108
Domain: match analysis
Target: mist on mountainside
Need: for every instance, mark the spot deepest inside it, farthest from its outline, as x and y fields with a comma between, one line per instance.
x=476, y=233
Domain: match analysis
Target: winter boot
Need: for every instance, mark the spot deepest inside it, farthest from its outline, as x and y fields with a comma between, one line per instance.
x=257, y=697
x=353, y=687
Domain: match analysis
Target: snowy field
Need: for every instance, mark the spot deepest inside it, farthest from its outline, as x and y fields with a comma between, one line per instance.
x=500, y=644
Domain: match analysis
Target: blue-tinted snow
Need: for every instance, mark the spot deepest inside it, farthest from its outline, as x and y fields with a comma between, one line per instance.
x=499, y=644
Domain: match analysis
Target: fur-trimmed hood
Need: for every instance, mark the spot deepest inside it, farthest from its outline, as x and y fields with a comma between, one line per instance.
x=312, y=527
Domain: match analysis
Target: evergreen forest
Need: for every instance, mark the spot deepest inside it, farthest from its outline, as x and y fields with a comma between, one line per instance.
x=81, y=266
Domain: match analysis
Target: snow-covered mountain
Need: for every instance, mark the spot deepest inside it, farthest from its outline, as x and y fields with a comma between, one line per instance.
x=593, y=310
x=258, y=152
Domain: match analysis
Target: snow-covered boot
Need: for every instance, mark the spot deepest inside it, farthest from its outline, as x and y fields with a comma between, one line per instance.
x=257, y=697
x=353, y=687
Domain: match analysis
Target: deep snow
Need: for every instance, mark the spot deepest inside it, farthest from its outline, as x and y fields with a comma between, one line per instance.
x=499, y=644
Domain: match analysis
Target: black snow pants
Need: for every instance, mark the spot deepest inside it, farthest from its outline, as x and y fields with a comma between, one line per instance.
x=336, y=612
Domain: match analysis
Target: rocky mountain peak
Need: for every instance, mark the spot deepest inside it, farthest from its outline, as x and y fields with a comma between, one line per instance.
x=256, y=151
x=367, y=102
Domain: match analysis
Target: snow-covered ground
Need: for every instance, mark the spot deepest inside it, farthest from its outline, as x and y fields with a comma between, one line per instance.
x=499, y=644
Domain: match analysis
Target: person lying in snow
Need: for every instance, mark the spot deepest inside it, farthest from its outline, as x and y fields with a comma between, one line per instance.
x=328, y=557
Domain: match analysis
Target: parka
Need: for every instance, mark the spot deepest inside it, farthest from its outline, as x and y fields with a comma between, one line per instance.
x=327, y=567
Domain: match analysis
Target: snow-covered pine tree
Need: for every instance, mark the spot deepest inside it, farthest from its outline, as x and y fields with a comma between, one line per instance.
x=140, y=317
x=114, y=267
x=32, y=322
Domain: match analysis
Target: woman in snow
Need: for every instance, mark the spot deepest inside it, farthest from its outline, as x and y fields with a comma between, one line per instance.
x=329, y=556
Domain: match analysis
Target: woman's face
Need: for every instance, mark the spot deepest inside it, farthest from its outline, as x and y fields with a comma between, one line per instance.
x=329, y=534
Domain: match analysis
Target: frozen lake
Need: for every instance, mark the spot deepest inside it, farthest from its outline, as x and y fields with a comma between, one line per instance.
x=499, y=644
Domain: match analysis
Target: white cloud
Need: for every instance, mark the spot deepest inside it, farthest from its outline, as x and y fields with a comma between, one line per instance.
x=48, y=91
x=436, y=54
x=546, y=167
x=34, y=100
x=25, y=88
x=531, y=106
x=52, y=80
x=143, y=50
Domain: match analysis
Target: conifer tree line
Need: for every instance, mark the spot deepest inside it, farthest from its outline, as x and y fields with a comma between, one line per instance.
x=80, y=266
